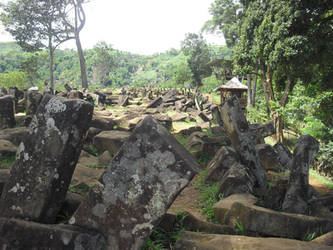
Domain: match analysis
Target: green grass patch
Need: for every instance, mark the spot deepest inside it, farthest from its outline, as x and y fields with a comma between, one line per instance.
x=161, y=239
x=94, y=151
x=322, y=179
x=79, y=189
x=7, y=161
x=182, y=139
x=207, y=196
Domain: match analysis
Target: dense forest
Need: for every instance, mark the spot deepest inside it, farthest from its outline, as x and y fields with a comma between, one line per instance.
x=283, y=51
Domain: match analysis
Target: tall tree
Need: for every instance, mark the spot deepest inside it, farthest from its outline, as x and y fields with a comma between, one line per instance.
x=36, y=24
x=198, y=57
x=74, y=16
x=281, y=39
x=103, y=62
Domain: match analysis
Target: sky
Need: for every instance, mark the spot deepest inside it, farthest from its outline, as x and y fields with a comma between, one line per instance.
x=142, y=26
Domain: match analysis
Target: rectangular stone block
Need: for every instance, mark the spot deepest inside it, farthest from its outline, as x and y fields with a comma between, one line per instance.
x=46, y=159
x=138, y=187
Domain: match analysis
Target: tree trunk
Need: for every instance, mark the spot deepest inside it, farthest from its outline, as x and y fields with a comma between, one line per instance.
x=253, y=97
x=51, y=69
x=82, y=61
x=278, y=125
x=249, y=90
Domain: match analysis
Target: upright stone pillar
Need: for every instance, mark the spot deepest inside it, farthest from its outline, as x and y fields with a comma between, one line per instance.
x=243, y=140
x=297, y=195
x=46, y=159
x=7, y=118
x=138, y=187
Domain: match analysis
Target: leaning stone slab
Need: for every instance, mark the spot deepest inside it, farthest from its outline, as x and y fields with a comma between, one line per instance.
x=154, y=104
x=243, y=139
x=7, y=111
x=268, y=222
x=46, y=159
x=21, y=235
x=298, y=191
x=33, y=98
x=222, y=162
x=191, y=240
x=138, y=187
x=260, y=131
x=284, y=155
x=14, y=135
x=110, y=140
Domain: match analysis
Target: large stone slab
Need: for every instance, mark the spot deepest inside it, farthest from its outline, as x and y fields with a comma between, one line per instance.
x=14, y=135
x=138, y=187
x=46, y=159
x=110, y=140
x=267, y=222
x=7, y=111
x=298, y=192
x=243, y=139
x=191, y=240
x=22, y=235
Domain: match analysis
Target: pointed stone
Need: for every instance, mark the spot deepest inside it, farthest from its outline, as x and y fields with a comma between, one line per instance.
x=243, y=139
x=7, y=111
x=298, y=192
x=138, y=187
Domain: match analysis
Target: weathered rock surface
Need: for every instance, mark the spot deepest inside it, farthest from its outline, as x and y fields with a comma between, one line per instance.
x=4, y=177
x=269, y=158
x=194, y=241
x=236, y=180
x=298, y=192
x=45, y=161
x=267, y=222
x=222, y=161
x=22, y=235
x=154, y=104
x=284, y=155
x=33, y=99
x=243, y=140
x=14, y=135
x=7, y=111
x=110, y=140
x=139, y=185
x=326, y=239
x=7, y=148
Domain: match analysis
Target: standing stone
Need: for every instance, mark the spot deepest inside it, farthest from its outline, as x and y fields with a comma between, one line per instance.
x=298, y=192
x=3, y=91
x=154, y=104
x=216, y=115
x=284, y=155
x=138, y=187
x=33, y=98
x=7, y=118
x=269, y=158
x=46, y=159
x=243, y=139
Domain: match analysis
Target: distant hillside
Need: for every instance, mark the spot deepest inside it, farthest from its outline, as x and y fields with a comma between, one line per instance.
x=9, y=46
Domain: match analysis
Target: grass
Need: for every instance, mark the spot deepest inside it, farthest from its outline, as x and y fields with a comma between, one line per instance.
x=7, y=161
x=207, y=196
x=94, y=151
x=79, y=189
x=182, y=139
x=161, y=239
x=322, y=179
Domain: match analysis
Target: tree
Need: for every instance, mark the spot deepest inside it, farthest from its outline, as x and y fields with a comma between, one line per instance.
x=36, y=24
x=76, y=25
x=30, y=67
x=198, y=57
x=103, y=62
x=280, y=38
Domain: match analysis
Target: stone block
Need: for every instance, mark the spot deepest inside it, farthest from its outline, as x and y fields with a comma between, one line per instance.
x=138, y=187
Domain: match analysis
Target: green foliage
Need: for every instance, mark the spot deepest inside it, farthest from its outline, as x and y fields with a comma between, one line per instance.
x=6, y=161
x=198, y=57
x=207, y=196
x=162, y=239
x=14, y=78
x=240, y=227
x=79, y=189
x=94, y=151
x=325, y=159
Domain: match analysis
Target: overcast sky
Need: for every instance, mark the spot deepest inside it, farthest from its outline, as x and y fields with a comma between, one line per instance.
x=142, y=26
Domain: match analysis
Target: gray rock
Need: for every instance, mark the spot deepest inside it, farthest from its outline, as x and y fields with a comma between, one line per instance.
x=46, y=160
x=14, y=135
x=110, y=140
x=193, y=241
x=138, y=187
x=33, y=99
x=154, y=104
x=269, y=158
x=298, y=192
x=236, y=180
x=222, y=162
x=22, y=235
x=7, y=148
x=284, y=155
x=243, y=140
x=7, y=111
